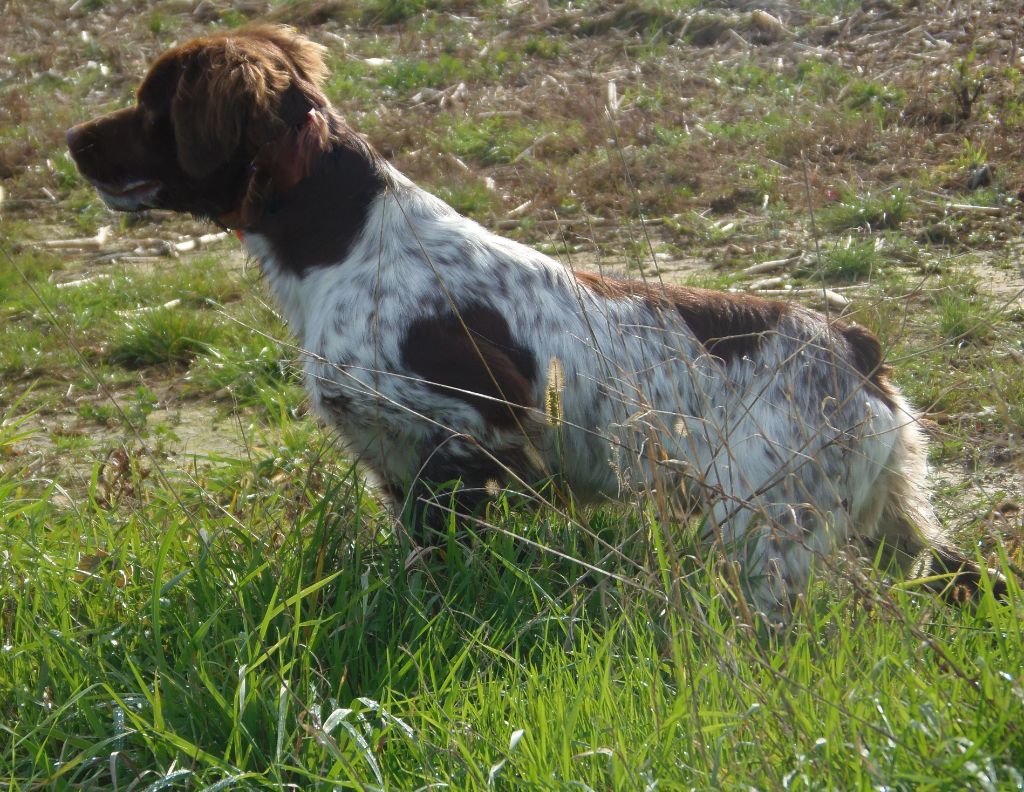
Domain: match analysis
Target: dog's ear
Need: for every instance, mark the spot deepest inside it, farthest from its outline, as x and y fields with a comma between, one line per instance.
x=236, y=94
x=224, y=105
x=290, y=159
x=283, y=163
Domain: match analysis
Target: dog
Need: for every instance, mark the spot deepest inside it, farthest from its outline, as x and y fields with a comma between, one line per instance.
x=444, y=353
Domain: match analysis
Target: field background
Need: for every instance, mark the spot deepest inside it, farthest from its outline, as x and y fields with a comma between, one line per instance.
x=197, y=593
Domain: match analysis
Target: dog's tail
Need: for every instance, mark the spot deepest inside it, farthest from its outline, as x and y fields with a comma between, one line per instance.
x=956, y=578
x=911, y=533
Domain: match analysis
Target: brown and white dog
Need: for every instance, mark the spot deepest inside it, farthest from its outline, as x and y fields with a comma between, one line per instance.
x=443, y=352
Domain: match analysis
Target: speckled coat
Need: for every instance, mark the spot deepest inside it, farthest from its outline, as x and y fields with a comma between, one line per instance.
x=437, y=349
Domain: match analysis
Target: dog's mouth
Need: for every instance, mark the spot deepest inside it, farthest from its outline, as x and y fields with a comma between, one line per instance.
x=130, y=195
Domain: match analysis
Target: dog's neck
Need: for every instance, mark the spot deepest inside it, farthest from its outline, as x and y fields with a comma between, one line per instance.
x=310, y=219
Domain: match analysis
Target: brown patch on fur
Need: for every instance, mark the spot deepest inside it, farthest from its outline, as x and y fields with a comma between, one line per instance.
x=257, y=91
x=279, y=166
x=118, y=146
x=732, y=325
x=221, y=123
x=727, y=325
x=866, y=355
x=235, y=91
x=476, y=355
x=313, y=222
x=236, y=127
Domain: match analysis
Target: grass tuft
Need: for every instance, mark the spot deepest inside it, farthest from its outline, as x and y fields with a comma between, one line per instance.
x=410, y=75
x=390, y=12
x=466, y=197
x=847, y=262
x=252, y=377
x=162, y=337
x=965, y=314
x=870, y=212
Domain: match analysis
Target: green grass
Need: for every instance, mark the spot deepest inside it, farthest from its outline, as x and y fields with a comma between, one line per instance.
x=164, y=336
x=501, y=140
x=133, y=410
x=466, y=197
x=749, y=131
x=349, y=80
x=965, y=314
x=872, y=212
x=388, y=12
x=251, y=374
x=409, y=75
x=287, y=639
x=864, y=94
x=544, y=47
x=847, y=262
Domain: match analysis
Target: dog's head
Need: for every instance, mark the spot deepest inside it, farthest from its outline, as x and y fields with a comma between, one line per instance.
x=220, y=124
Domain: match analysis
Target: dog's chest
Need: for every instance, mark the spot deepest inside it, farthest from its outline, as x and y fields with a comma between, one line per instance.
x=335, y=313
x=349, y=321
